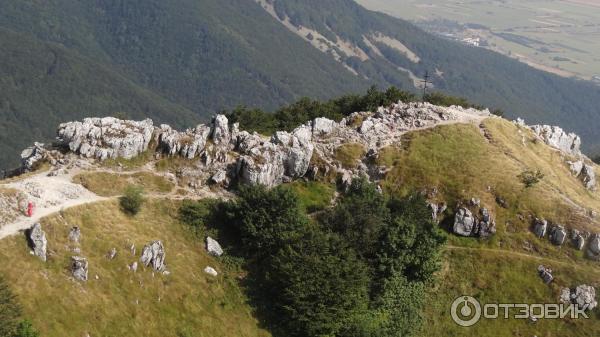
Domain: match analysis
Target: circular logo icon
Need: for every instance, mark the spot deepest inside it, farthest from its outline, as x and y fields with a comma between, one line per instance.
x=466, y=311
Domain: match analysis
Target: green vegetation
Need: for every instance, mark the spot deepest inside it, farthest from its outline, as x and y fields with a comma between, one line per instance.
x=113, y=184
x=349, y=154
x=132, y=199
x=121, y=302
x=11, y=323
x=313, y=196
x=291, y=116
x=358, y=269
x=530, y=178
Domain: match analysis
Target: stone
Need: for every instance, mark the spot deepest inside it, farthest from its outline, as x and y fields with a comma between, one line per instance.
x=219, y=177
x=594, y=245
x=133, y=266
x=104, y=138
x=436, y=209
x=153, y=255
x=32, y=156
x=220, y=132
x=464, y=222
x=211, y=271
x=554, y=136
x=539, y=227
x=487, y=229
x=585, y=173
x=213, y=247
x=565, y=296
x=578, y=239
x=557, y=235
x=585, y=297
x=112, y=254
x=545, y=274
x=322, y=126
x=79, y=268
x=265, y=167
x=37, y=239
x=475, y=202
x=75, y=234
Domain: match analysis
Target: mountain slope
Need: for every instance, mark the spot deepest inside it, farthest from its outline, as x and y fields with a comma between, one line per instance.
x=482, y=76
x=203, y=56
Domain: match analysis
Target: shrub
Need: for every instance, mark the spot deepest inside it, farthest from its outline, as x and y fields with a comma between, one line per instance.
x=131, y=201
x=531, y=178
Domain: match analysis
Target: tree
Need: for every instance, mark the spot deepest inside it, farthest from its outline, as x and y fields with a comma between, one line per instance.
x=320, y=285
x=132, y=200
x=411, y=244
x=530, y=178
x=265, y=220
x=359, y=217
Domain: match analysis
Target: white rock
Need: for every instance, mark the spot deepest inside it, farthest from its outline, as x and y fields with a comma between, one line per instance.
x=154, y=254
x=211, y=271
x=213, y=247
x=38, y=241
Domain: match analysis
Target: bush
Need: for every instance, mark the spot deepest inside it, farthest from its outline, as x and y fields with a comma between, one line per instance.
x=531, y=178
x=132, y=200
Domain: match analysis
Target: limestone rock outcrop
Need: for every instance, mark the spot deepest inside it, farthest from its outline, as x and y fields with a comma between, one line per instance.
x=79, y=268
x=153, y=255
x=464, y=222
x=585, y=172
x=107, y=137
x=556, y=137
x=38, y=241
x=584, y=296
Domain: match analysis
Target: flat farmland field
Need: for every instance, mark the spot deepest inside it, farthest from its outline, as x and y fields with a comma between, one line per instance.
x=561, y=36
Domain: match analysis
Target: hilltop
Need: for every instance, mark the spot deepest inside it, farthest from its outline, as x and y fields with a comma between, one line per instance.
x=181, y=61
x=459, y=160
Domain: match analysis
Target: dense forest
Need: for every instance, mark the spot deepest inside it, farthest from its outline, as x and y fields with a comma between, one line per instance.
x=180, y=61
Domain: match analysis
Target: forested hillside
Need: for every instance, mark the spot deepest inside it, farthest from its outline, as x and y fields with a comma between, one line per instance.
x=180, y=61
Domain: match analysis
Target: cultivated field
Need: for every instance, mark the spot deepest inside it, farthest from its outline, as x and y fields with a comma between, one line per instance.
x=561, y=36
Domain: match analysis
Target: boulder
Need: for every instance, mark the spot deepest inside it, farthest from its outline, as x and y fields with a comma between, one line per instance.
x=557, y=235
x=594, y=245
x=464, y=222
x=154, y=254
x=75, y=234
x=211, y=271
x=112, y=254
x=133, y=266
x=322, y=126
x=578, y=239
x=436, y=209
x=32, y=156
x=588, y=176
x=487, y=229
x=545, y=274
x=79, y=268
x=263, y=167
x=539, y=227
x=585, y=297
x=37, y=239
x=220, y=132
x=219, y=177
x=213, y=247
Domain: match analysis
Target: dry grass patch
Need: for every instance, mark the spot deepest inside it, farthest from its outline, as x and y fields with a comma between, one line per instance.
x=187, y=302
x=113, y=184
x=349, y=154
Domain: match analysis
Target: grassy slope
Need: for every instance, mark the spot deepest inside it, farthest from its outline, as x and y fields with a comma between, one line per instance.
x=120, y=302
x=462, y=163
x=111, y=184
